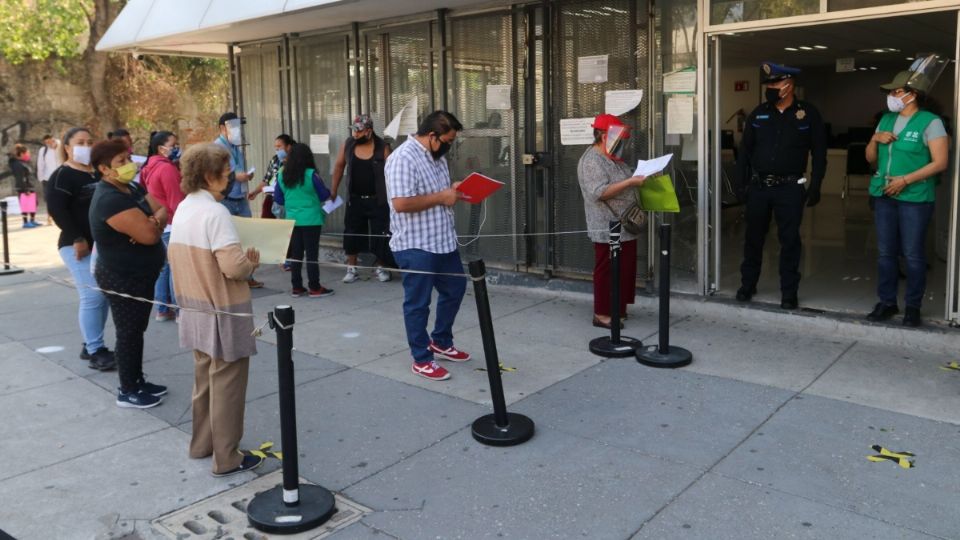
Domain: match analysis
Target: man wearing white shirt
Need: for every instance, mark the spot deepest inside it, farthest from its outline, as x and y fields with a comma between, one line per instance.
x=48, y=160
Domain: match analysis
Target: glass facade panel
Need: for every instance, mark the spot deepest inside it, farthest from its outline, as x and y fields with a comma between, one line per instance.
x=734, y=11
x=260, y=86
x=840, y=5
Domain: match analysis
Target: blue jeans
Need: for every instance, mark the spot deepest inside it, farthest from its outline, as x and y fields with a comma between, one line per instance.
x=418, y=294
x=237, y=207
x=901, y=230
x=163, y=290
x=93, y=304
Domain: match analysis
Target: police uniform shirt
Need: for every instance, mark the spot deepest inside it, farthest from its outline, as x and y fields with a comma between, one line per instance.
x=777, y=142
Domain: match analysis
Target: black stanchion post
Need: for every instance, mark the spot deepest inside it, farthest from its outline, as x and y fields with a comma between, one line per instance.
x=289, y=508
x=7, y=269
x=664, y=355
x=501, y=428
x=615, y=346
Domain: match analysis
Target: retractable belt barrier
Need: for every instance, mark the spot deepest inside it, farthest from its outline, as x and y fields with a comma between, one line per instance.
x=7, y=269
x=615, y=345
x=664, y=355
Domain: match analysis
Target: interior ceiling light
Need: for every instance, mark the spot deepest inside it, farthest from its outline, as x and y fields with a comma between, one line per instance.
x=873, y=68
x=805, y=48
x=821, y=47
x=879, y=50
x=793, y=49
x=910, y=58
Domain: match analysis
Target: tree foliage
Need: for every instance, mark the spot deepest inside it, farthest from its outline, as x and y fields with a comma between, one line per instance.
x=41, y=29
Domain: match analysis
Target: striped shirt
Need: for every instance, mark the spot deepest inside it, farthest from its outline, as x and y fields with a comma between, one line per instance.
x=412, y=171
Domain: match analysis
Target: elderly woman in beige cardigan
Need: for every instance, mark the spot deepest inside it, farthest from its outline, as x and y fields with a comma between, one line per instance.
x=210, y=271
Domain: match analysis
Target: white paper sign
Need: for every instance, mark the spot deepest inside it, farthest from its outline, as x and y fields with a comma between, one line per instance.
x=404, y=123
x=619, y=102
x=845, y=65
x=329, y=206
x=592, y=69
x=320, y=143
x=498, y=97
x=574, y=131
x=651, y=166
x=680, y=82
x=689, y=148
x=680, y=115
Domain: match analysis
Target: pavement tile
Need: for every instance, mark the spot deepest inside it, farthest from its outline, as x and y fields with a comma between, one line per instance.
x=353, y=424
x=718, y=508
x=816, y=448
x=34, y=322
x=84, y=497
x=677, y=415
x=41, y=294
x=24, y=369
x=63, y=420
x=554, y=486
x=761, y=355
x=876, y=376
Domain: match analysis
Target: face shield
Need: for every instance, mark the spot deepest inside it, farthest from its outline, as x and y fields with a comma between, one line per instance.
x=925, y=71
x=616, y=135
x=234, y=131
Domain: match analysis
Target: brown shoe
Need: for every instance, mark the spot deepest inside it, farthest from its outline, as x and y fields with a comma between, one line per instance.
x=254, y=284
x=600, y=324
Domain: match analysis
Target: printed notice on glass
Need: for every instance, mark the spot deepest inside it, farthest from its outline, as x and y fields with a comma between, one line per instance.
x=592, y=69
x=680, y=82
x=680, y=115
x=404, y=123
x=846, y=65
x=498, y=97
x=574, y=131
x=619, y=102
x=320, y=143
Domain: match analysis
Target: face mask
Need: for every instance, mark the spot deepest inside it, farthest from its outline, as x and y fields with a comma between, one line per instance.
x=361, y=140
x=896, y=104
x=772, y=95
x=442, y=151
x=126, y=173
x=25, y=157
x=281, y=154
x=174, y=154
x=81, y=154
x=235, y=136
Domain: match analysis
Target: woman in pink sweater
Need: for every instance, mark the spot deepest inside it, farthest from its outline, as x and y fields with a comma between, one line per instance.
x=161, y=177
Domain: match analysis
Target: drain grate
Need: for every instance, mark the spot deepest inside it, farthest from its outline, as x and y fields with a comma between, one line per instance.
x=225, y=516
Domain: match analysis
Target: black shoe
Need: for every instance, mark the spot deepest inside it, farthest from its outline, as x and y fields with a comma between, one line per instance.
x=249, y=463
x=137, y=400
x=744, y=294
x=84, y=355
x=911, y=317
x=155, y=390
x=789, y=302
x=882, y=312
x=103, y=360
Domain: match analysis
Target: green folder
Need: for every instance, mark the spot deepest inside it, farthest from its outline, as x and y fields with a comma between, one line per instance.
x=657, y=195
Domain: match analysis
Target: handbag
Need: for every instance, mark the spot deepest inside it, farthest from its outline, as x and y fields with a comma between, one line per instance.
x=631, y=219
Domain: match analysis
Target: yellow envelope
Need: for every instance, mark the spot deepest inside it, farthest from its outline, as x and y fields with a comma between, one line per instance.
x=269, y=236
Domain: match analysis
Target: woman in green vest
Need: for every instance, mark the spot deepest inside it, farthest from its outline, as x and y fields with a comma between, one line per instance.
x=909, y=150
x=301, y=192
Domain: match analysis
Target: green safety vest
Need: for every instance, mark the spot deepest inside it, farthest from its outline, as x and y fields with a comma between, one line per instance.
x=301, y=202
x=903, y=156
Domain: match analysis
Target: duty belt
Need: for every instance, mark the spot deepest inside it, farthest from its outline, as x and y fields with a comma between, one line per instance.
x=770, y=180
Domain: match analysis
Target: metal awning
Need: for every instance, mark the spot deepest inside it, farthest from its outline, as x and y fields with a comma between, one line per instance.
x=206, y=27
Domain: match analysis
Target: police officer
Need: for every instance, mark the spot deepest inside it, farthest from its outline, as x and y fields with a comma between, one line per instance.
x=771, y=168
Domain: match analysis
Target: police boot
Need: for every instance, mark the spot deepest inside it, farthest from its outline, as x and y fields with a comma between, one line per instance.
x=744, y=294
x=789, y=301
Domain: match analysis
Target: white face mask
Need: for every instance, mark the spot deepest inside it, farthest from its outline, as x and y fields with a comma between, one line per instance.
x=81, y=154
x=896, y=104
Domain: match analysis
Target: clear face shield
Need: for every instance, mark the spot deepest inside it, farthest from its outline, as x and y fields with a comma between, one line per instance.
x=926, y=70
x=234, y=131
x=616, y=137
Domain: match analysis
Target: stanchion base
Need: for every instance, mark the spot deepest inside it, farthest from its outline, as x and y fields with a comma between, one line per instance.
x=603, y=346
x=10, y=271
x=674, y=358
x=268, y=513
x=518, y=431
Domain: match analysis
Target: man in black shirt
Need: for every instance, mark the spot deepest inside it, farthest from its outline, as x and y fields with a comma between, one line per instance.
x=772, y=165
x=367, y=219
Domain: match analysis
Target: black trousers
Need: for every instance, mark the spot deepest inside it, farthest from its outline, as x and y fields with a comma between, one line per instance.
x=305, y=246
x=785, y=203
x=130, y=317
x=366, y=217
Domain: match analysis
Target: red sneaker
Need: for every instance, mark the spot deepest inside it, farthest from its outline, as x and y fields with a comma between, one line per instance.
x=321, y=292
x=298, y=292
x=450, y=353
x=430, y=370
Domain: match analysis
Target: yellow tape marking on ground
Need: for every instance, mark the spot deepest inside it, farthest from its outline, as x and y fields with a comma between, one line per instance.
x=264, y=452
x=502, y=369
x=900, y=458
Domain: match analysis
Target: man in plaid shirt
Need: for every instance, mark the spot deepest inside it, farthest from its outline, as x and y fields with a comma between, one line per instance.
x=424, y=239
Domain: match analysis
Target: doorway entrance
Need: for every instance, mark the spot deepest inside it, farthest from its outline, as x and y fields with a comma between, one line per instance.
x=842, y=66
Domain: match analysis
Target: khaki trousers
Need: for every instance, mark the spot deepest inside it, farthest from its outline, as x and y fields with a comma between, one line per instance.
x=219, y=398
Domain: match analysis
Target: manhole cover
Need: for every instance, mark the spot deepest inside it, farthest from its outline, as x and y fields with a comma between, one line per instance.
x=225, y=516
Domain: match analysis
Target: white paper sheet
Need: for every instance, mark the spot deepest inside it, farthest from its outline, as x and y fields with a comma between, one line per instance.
x=680, y=115
x=320, y=143
x=592, y=69
x=619, y=102
x=652, y=166
x=329, y=206
x=680, y=82
x=574, y=131
x=269, y=236
x=268, y=189
x=498, y=97
x=689, y=148
x=404, y=123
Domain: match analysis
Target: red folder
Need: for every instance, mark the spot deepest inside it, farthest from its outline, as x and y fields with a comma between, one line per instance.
x=477, y=187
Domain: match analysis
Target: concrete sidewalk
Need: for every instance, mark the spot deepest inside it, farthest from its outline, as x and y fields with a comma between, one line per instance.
x=764, y=436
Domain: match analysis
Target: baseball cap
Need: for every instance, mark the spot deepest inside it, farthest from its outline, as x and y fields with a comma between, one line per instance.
x=361, y=122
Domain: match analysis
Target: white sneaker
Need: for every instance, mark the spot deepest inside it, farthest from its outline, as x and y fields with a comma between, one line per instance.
x=351, y=275
x=383, y=275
